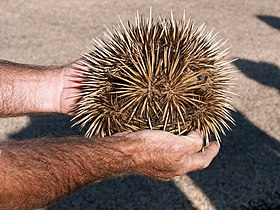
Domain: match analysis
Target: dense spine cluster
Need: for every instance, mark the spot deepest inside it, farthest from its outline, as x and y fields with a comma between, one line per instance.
x=161, y=74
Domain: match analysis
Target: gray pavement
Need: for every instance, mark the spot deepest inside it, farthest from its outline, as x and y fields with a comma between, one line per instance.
x=245, y=175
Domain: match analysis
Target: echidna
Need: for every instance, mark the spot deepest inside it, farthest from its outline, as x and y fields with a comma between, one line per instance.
x=162, y=74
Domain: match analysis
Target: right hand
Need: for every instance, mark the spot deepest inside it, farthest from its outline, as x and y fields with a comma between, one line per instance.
x=71, y=75
x=162, y=155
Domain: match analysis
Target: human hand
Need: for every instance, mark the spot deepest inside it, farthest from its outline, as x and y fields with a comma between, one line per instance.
x=71, y=75
x=157, y=154
x=162, y=155
x=31, y=89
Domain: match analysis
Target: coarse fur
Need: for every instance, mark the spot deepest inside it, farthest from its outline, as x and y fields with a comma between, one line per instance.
x=162, y=74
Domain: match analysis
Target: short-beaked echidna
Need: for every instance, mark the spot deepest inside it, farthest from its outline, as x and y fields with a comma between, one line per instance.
x=162, y=74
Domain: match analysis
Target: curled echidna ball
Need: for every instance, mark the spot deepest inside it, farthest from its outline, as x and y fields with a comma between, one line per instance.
x=162, y=74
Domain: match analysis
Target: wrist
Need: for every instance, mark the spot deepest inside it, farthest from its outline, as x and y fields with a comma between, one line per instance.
x=49, y=90
x=111, y=157
x=131, y=145
x=126, y=150
x=30, y=89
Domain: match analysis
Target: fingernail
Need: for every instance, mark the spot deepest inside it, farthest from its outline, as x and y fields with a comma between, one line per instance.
x=193, y=136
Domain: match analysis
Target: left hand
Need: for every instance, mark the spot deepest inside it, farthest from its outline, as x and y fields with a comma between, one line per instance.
x=162, y=155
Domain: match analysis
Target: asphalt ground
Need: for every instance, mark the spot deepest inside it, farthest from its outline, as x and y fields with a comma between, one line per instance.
x=246, y=173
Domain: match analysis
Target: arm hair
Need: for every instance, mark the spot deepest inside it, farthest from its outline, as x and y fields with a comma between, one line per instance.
x=27, y=89
x=35, y=173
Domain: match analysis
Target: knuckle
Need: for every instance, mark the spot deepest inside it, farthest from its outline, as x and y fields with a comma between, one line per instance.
x=197, y=145
x=207, y=163
x=199, y=166
x=204, y=165
x=196, y=141
x=196, y=135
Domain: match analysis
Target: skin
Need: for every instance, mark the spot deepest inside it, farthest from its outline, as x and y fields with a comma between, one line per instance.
x=35, y=173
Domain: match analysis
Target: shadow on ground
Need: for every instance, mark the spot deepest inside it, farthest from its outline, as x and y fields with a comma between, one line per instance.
x=247, y=170
x=265, y=73
x=127, y=193
x=47, y=126
x=245, y=175
x=270, y=20
x=124, y=193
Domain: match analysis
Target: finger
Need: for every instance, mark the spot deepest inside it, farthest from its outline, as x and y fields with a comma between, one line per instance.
x=202, y=160
x=78, y=66
x=193, y=142
x=121, y=134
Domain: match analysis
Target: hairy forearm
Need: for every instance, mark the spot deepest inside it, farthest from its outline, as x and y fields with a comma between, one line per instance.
x=26, y=89
x=35, y=173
